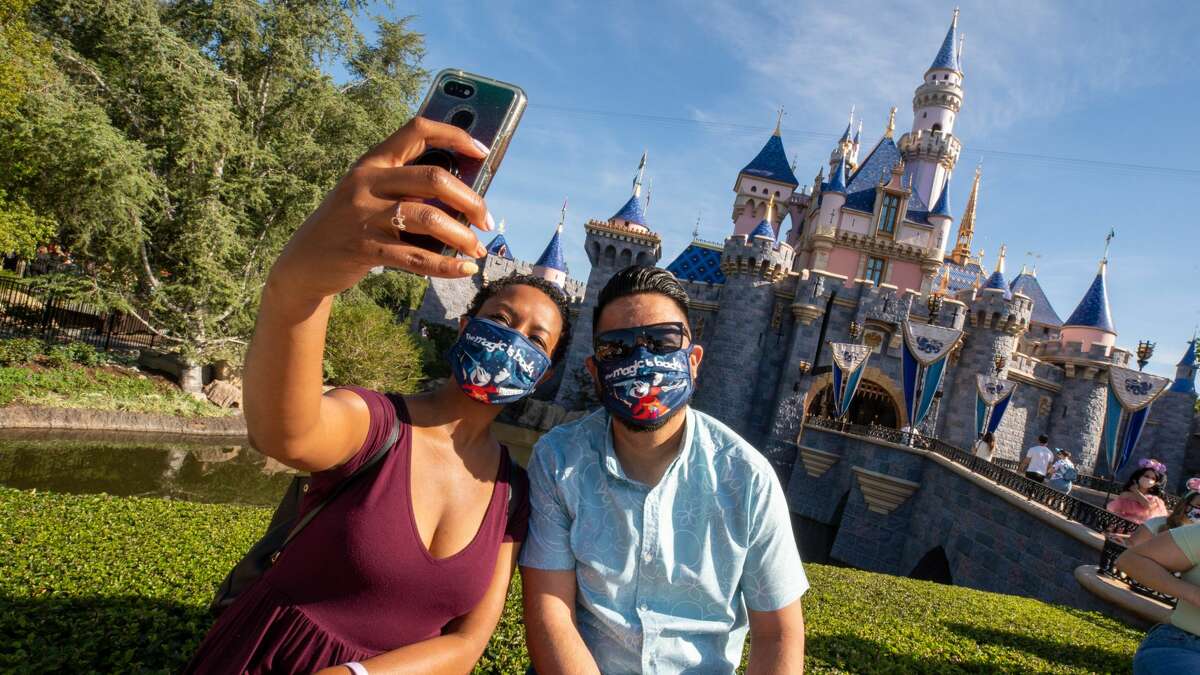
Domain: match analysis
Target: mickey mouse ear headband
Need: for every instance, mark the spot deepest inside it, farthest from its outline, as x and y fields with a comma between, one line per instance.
x=1193, y=484
x=1147, y=463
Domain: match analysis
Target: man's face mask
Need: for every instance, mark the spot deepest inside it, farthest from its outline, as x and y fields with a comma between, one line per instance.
x=644, y=373
x=496, y=364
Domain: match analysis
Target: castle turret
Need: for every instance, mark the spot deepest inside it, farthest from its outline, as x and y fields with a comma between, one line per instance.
x=845, y=145
x=768, y=175
x=966, y=226
x=552, y=266
x=941, y=219
x=832, y=199
x=1185, y=371
x=624, y=239
x=753, y=265
x=996, y=319
x=1091, y=322
x=931, y=150
x=498, y=246
x=1045, y=323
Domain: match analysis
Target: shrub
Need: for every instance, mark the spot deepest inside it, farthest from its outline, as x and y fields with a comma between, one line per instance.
x=394, y=290
x=19, y=351
x=97, y=583
x=365, y=347
x=84, y=354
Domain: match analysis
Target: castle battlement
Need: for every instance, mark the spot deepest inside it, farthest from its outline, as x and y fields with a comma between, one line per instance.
x=942, y=93
x=496, y=267
x=1073, y=354
x=756, y=256
x=702, y=294
x=990, y=309
x=935, y=146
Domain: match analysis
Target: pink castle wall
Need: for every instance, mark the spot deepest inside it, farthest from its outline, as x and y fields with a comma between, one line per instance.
x=905, y=275
x=844, y=261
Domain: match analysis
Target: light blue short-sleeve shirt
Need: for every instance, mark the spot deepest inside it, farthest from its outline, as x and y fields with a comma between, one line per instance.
x=665, y=574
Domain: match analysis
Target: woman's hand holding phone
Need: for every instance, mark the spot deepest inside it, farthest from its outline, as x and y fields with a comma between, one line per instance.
x=353, y=229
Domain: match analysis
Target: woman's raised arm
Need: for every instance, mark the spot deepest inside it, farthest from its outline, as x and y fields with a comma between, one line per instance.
x=353, y=230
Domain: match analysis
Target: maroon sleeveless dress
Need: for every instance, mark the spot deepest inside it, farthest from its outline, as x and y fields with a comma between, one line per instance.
x=358, y=581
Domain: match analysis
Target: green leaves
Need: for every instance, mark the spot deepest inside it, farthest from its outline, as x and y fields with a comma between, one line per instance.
x=364, y=346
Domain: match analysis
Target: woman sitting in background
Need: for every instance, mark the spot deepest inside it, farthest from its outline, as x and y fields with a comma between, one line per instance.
x=1186, y=512
x=1170, y=648
x=985, y=446
x=1139, y=500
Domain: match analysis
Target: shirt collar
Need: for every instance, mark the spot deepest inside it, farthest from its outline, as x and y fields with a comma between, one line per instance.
x=612, y=464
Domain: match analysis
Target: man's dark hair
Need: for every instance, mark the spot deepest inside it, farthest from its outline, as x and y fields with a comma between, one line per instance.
x=551, y=290
x=1043, y=439
x=641, y=279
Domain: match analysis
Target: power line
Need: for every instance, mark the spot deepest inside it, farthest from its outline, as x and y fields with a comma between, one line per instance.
x=749, y=129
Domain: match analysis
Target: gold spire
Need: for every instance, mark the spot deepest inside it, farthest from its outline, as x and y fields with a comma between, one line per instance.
x=944, y=285
x=771, y=211
x=1000, y=260
x=637, y=178
x=966, y=226
x=500, y=227
x=891, y=127
x=778, y=122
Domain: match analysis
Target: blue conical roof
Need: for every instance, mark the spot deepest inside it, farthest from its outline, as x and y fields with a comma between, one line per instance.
x=632, y=212
x=763, y=229
x=1027, y=284
x=1186, y=382
x=942, y=207
x=1189, y=356
x=1093, y=311
x=846, y=133
x=947, y=56
x=837, y=182
x=499, y=247
x=998, y=282
x=772, y=163
x=552, y=257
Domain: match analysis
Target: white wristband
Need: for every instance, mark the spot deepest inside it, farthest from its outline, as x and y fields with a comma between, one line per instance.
x=356, y=668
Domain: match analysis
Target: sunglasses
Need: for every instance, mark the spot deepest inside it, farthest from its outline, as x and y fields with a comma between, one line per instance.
x=659, y=338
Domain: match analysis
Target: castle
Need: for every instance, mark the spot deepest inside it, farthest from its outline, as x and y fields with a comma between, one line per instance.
x=869, y=245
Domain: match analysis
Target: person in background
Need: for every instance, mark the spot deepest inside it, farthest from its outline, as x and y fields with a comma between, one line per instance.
x=1037, y=459
x=407, y=569
x=658, y=536
x=1186, y=512
x=1169, y=648
x=1140, y=498
x=1063, y=472
x=985, y=447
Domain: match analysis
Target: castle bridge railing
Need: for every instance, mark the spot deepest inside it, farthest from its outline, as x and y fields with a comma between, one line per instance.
x=1089, y=515
x=1097, y=483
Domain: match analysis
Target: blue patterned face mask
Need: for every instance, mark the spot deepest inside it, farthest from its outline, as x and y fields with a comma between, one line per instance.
x=645, y=389
x=496, y=364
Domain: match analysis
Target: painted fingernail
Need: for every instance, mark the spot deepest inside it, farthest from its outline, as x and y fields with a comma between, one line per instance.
x=480, y=251
x=481, y=147
x=468, y=267
x=489, y=223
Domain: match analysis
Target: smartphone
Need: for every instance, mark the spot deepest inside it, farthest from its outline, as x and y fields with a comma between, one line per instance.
x=488, y=110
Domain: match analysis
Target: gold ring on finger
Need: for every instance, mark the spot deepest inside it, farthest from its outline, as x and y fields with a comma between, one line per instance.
x=398, y=219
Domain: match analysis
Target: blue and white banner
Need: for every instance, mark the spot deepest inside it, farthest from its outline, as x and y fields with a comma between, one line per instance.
x=849, y=361
x=1130, y=394
x=991, y=402
x=926, y=347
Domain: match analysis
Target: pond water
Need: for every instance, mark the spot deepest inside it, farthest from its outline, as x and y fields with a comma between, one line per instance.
x=219, y=470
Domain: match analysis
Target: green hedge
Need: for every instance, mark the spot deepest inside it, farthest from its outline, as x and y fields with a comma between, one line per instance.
x=120, y=584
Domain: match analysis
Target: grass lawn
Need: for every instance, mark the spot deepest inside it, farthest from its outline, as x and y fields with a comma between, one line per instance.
x=103, y=388
x=120, y=584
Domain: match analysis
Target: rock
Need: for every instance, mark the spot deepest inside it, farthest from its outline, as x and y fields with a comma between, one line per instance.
x=223, y=394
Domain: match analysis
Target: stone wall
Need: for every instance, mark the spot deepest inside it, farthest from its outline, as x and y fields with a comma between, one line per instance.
x=992, y=538
x=24, y=417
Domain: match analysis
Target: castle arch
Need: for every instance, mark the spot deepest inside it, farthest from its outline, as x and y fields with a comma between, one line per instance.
x=610, y=255
x=643, y=258
x=933, y=566
x=626, y=258
x=879, y=400
x=594, y=252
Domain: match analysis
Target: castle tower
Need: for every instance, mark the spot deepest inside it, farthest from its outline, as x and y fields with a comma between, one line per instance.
x=931, y=150
x=966, y=226
x=1045, y=324
x=768, y=175
x=551, y=266
x=845, y=146
x=624, y=239
x=833, y=198
x=996, y=320
x=941, y=219
x=1091, y=322
x=498, y=246
x=752, y=265
x=1185, y=371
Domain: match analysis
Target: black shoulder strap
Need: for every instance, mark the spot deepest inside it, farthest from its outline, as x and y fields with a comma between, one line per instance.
x=516, y=487
x=393, y=436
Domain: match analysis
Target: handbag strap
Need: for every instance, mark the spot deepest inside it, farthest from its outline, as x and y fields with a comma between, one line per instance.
x=393, y=436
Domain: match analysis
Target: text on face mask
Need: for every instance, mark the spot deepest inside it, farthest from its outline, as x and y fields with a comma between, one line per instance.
x=652, y=362
x=510, y=349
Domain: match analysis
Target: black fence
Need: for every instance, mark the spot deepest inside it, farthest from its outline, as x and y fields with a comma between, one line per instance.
x=34, y=312
x=1106, y=485
x=1108, y=567
x=1089, y=515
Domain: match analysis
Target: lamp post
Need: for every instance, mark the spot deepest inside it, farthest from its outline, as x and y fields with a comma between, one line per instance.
x=934, y=303
x=855, y=330
x=999, y=362
x=1145, y=350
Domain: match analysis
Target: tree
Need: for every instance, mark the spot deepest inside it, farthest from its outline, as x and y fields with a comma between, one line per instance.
x=178, y=145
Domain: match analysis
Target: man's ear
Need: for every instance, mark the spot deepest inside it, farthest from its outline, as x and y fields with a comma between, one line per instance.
x=590, y=363
x=695, y=358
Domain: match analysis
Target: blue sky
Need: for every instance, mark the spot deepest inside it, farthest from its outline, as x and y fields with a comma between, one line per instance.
x=1084, y=115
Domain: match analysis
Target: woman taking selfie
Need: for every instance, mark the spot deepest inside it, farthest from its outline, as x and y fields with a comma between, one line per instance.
x=407, y=568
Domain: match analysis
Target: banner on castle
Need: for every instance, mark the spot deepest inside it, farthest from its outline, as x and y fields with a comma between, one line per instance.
x=1130, y=394
x=991, y=402
x=926, y=347
x=849, y=362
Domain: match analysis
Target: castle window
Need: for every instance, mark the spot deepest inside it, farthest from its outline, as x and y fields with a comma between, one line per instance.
x=753, y=189
x=875, y=268
x=937, y=126
x=889, y=211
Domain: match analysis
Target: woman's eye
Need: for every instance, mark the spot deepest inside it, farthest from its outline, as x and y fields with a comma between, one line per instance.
x=502, y=319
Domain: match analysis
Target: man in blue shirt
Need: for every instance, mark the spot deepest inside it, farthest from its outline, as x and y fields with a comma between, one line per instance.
x=658, y=536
